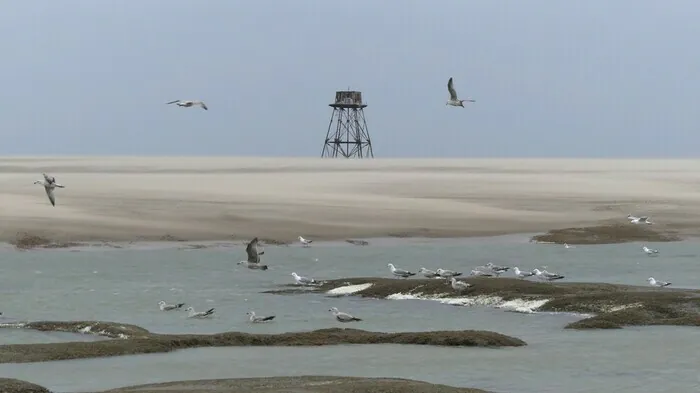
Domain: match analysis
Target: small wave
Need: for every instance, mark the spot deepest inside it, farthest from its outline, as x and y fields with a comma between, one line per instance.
x=514, y=305
x=349, y=289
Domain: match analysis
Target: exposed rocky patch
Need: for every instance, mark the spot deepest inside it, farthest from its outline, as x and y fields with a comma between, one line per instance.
x=607, y=234
x=614, y=306
x=136, y=340
x=27, y=241
x=300, y=384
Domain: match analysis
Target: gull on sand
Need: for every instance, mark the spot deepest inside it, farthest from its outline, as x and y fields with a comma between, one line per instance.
x=189, y=103
x=521, y=274
x=201, y=314
x=649, y=251
x=656, y=283
x=305, y=242
x=454, y=100
x=547, y=276
x=256, y=319
x=167, y=307
x=49, y=184
x=428, y=273
x=444, y=273
x=254, y=254
x=639, y=220
x=342, y=316
x=459, y=285
x=400, y=272
x=303, y=280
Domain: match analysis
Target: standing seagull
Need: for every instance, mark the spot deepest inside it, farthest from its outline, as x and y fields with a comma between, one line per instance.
x=459, y=286
x=342, y=316
x=444, y=273
x=655, y=283
x=454, y=101
x=256, y=319
x=301, y=280
x=547, y=276
x=189, y=103
x=400, y=272
x=522, y=274
x=49, y=184
x=304, y=242
x=428, y=273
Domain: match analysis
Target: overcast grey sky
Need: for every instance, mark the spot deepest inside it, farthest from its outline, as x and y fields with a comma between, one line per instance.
x=550, y=77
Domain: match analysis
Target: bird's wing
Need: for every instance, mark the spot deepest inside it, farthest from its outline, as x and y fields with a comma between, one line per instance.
x=203, y=105
x=451, y=89
x=172, y=102
x=49, y=193
x=252, y=251
x=643, y=218
x=344, y=316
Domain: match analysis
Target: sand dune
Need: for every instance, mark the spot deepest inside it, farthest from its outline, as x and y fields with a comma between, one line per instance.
x=120, y=198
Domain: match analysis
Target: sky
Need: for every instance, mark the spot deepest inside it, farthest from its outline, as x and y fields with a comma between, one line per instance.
x=550, y=78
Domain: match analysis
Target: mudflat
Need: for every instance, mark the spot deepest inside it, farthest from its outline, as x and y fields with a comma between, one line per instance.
x=191, y=198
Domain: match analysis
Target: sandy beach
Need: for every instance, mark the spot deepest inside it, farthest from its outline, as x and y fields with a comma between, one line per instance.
x=191, y=198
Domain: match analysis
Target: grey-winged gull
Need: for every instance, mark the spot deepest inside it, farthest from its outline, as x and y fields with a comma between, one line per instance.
x=657, y=283
x=444, y=273
x=189, y=103
x=168, y=307
x=256, y=319
x=201, y=314
x=49, y=184
x=547, y=276
x=342, y=316
x=399, y=272
x=301, y=280
x=454, y=100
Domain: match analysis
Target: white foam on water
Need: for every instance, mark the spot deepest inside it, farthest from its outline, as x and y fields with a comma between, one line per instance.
x=349, y=289
x=514, y=305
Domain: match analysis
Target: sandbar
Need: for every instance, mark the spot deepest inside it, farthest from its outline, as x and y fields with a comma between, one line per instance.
x=237, y=198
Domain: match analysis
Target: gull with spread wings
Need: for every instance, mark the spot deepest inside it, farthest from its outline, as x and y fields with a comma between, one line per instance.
x=189, y=103
x=454, y=100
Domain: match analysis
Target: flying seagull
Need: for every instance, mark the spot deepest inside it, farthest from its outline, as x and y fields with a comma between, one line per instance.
x=400, y=272
x=305, y=242
x=49, y=184
x=343, y=317
x=201, y=314
x=189, y=103
x=639, y=220
x=167, y=307
x=454, y=101
x=256, y=319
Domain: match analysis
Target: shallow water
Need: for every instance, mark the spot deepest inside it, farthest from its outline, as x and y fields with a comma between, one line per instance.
x=125, y=285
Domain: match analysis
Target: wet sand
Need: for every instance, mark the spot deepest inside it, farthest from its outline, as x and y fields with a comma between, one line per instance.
x=147, y=199
x=300, y=384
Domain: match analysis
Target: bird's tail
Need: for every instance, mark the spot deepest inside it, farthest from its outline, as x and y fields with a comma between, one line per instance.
x=209, y=311
x=270, y=318
x=356, y=319
x=180, y=305
x=263, y=267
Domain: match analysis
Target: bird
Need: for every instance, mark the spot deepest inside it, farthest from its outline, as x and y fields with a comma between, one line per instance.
x=476, y=272
x=653, y=282
x=167, y=307
x=566, y=245
x=444, y=273
x=305, y=242
x=201, y=314
x=639, y=220
x=497, y=270
x=521, y=274
x=342, y=316
x=189, y=103
x=256, y=319
x=649, y=251
x=545, y=275
x=459, y=285
x=300, y=280
x=400, y=272
x=454, y=101
x=49, y=184
x=252, y=250
x=427, y=273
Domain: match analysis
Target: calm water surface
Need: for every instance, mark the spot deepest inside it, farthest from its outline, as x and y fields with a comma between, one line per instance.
x=125, y=285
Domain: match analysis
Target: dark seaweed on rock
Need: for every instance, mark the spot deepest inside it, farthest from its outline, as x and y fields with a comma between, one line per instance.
x=615, y=305
x=27, y=241
x=299, y=384
x=142, y=341
x=10, y=385
x=606, y=234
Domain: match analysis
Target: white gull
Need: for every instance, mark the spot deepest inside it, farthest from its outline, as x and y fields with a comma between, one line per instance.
x=428, y=273
x=305, y=242
x=521, y=274
x=547, y=276
x=167, y=307
x=300, y=280
x=639, y=220
x=459, y=285
x=256, y=319
x=657, y=283
x=444, y=273
x=454, y=100
x=399, y=272
x=649, y=251
x=201, y=314
x=49, y=184
x=342, y=316
x=189, y=103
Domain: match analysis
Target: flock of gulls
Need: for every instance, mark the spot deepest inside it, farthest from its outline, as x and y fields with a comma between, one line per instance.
x=254, y=253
